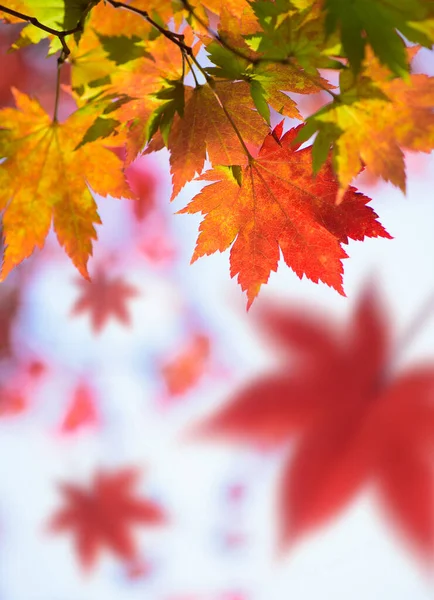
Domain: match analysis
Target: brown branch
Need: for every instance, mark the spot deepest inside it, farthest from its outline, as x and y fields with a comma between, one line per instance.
x=257, y=60
x=176, y=38
x=58, y=33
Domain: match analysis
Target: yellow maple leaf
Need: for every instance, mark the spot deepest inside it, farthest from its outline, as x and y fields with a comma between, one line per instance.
x=374, y=130
x=45, y=180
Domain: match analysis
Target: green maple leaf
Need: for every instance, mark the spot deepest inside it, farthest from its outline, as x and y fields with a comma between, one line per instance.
x=378, y=22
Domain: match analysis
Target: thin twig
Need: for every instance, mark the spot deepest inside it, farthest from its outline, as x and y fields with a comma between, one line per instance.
x=185, y=57
x=61, y=34
x=60, y=62
x=257, y=60
x=176, y=38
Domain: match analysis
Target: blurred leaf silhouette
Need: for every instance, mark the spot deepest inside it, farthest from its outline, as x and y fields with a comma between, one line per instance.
x=104, y=516
x=352, y=416
x=184, y=371
x=82, y=410
x=104, y=298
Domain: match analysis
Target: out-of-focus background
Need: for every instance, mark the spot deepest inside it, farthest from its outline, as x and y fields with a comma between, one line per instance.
x=111, y=376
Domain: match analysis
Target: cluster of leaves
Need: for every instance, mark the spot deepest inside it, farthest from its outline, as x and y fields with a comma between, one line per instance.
x=132, y=64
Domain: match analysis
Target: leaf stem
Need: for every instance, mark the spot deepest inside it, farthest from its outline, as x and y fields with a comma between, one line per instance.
x=185, y=57
x=211, y=82
x=60, y=62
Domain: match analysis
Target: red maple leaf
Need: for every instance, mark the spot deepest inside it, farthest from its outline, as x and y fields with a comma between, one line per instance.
x=104, y=298
x=274, y=208
x=81, y=411
x=12, y=402
x=352, y=419
x=105, y=515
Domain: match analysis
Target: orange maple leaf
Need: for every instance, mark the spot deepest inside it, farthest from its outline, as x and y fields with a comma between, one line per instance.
x=205, y=128
x=184, y=371
x=280, y=206
x=352, y=416
x=45, y=178
x=104, y=515
x=104, y=298
x=373, y=130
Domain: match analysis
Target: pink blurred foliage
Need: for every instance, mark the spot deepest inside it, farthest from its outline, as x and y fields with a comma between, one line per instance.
x=143, y=181
x=184, y=370
x=104, y=298
x=21, y=372
x=157, y=245
x=82, y=410
x=31, y=71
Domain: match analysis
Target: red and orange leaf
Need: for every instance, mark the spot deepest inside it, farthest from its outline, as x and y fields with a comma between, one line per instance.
x=351, y=419
x=105, y=515
x=205, y=128
x=183, y=372
x=44, y=180
x=147, y=78
x=104, y=298
x=107, y=20
x=281, y=207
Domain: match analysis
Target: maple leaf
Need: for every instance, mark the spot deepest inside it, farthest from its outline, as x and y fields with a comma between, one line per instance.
x=81, y=411
x=376, y=22
x=280, y=206
x=205, y=128
x=57, y=14
x=351, y=417
x=151, y=75
x=184, y=371
x=103, y=515
x=53, y=187
x=104, y=298
x=373, y=123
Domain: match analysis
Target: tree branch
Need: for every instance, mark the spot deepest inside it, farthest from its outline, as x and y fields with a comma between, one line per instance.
x=176, y=38
x=58, y=33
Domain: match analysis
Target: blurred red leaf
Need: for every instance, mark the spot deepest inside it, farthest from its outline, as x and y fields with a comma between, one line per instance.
x=36, y=368
x=139, y=569
x=12, y=402
x=105, y=515
x=143, y=182
x=81, y=411
x=15, y=71
x=351, y=418
x=184, y=371
x=104, y=298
